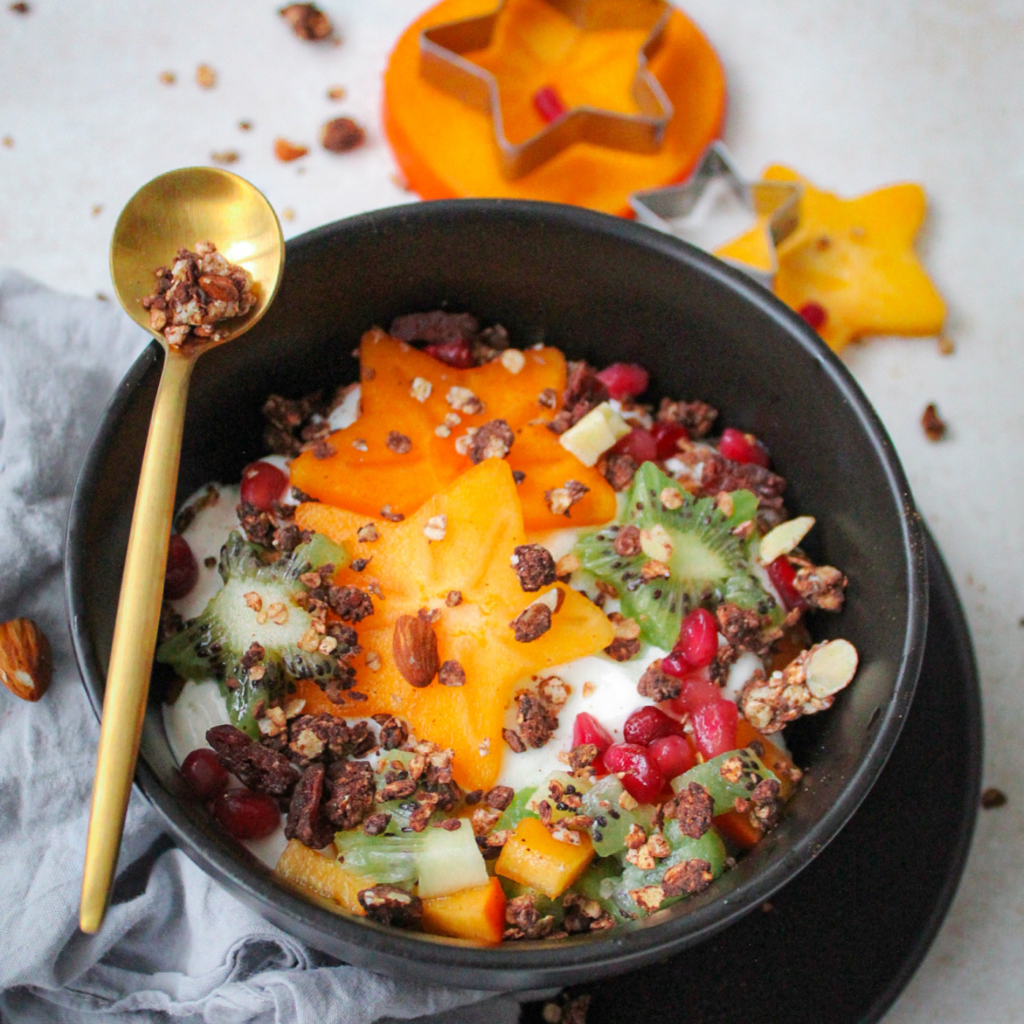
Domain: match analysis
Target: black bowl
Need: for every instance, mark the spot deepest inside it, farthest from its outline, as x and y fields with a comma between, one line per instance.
x=602, y=289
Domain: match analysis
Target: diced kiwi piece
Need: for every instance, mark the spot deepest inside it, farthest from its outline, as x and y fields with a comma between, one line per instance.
x=725, y=789
x=564, y=783
x=613, y=822
x=545, y=905
x=213, y=644
x=708, y=848
x=388, y=860
x=708, y=564
x=450, y=862
x=320, y=550
x=603, y=871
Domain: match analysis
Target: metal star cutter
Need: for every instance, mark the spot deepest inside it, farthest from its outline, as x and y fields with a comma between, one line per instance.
x=443, y=63
x=775, y=204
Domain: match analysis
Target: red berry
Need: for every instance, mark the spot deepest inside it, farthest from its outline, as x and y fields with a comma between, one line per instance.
x=245, y=814
x=182, y=568
x=457, y=353
x=649, y=723
x=815, y=314
x=673, y=755
x=783, y=577
x=262, y=484
x=667, y=436
x=641, y=777
x=624, y=380
x=714, y=727
x=548, y=104
x=742, y=447
x=698, y=638
x=696, y=690
x=638, y=444
x=204, y=773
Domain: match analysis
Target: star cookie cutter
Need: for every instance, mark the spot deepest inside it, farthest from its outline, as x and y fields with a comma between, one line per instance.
x=443, y=64
x=776, y=203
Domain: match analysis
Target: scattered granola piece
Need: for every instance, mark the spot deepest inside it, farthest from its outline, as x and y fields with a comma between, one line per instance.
x=286, y=151
x=453, y=598
x=531, y=623
x=513, y=360
x=534, y=565
x=400, y=444
x=420, y=389
x=692, y=808
x=463, y=400
x=341, y=134
x=933, y=426
x=535, y=718
x=388, y=512
x=245, y=126
x=992, y=798
x=688, y=876
x=436, y=528
x=514, y=740
x=387, y=904
x=946, y=345
x=307, y=21
x=560, y=499
x=206, y=77
x=336, y=92
x=451, y=673
x=493, y=440
x=224, y=156
x=168, y=78
x=288, y=213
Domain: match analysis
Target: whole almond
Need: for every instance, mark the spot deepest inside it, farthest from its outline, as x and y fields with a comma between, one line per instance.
x=26, y=664
x=219, y=287
x=415, y=649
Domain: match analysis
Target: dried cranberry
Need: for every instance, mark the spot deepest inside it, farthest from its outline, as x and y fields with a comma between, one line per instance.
x=624, y=380
x=262, y=484
x=742, y=447
x=667, y=437
x=649, y=723
x=204, y=773
x=247, y=815
x=698, y=639
x=697, y=689
x=548, y=104
x=714, y=727
x=673, y=755
x=641, y=777
x=457, y=353
x=815, y=314
x=639, y=445
x=182, y=568
x=783, y=577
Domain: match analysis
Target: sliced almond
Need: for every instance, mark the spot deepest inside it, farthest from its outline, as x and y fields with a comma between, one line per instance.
x=831, y=667
x=26, y=664
x=784, y=538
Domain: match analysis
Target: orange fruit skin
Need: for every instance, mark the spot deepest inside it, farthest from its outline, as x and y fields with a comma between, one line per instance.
x=484, y=525
x=367, y=476
x=446, y=148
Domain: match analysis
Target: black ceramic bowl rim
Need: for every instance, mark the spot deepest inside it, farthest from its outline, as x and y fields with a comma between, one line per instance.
x=531, y=965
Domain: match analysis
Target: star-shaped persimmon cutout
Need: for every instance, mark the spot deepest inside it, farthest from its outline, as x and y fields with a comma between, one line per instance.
x=427, y=409
x=850, y=267
x=482, y=526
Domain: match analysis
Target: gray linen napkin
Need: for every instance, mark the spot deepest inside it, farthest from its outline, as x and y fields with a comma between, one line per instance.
x=175, y=946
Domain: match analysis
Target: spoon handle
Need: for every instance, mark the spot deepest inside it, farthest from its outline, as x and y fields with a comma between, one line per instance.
x=131, y=655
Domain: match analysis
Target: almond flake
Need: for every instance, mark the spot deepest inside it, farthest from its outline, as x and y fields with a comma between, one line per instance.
x=421, y=388
x=253, y=601
x=671, y=498
x=513, y=360
x=464, y=441
x=373, y=662
x=278, y=613
x=443, y=430
x=327, y=645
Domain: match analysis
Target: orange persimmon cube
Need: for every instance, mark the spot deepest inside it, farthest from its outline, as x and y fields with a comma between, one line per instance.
x=534, y=857
x=322, y=875
x=477, y=913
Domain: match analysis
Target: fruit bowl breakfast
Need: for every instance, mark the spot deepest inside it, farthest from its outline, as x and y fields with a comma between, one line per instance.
x=493, y=651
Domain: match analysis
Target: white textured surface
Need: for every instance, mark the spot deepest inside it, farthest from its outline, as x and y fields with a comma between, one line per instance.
x=853, y=95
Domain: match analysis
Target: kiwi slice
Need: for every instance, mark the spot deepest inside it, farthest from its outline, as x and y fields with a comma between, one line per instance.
x=708, y=564
x=213, y=644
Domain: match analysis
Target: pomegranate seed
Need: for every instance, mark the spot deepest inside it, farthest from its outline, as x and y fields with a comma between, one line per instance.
x=456, y=353
x=641, y=777
x=815, y=314
x=649, y=723
x=245, y=814
x=742, y=447
x=624, y=380
x=697, y=689
x=638, y=444
x=673, y=755
x=587, y=729
x=667, y=437
x=783, y=576
x=182, y=568
x=262, y=484
x=204, y=773
x=698, y=639
x=548, y=104
x=714, y=727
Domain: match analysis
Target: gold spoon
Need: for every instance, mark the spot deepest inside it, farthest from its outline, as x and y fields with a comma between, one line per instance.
x=177, y=209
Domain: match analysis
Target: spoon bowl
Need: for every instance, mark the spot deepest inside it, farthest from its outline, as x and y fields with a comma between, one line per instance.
x=175, y=210
x=183, y=207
